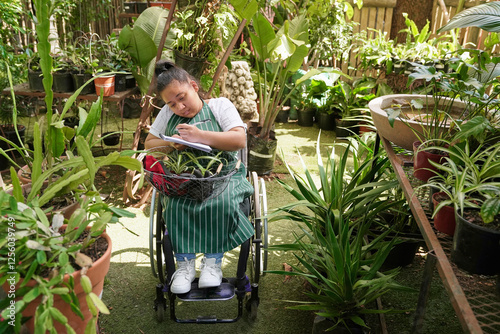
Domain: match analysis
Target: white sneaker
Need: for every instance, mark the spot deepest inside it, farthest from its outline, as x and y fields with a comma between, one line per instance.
x=183, y=277
x=211, y=273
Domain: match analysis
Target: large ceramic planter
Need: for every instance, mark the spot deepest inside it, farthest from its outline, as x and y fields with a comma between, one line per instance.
x=401, y=133
x=444, y=219
x=422, y=168
x=476, y=249
x=66, y=210
x=96, y=273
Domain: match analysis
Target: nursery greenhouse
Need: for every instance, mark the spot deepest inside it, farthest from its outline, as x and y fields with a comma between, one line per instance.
x=320, y=166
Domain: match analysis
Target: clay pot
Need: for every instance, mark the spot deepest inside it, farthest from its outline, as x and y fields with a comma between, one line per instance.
x=444, y=220
x=96, y=273
x=422, y=168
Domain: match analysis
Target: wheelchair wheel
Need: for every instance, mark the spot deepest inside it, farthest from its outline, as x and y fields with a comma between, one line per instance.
x=156, y=230
x=259, y=240
x=152, y=234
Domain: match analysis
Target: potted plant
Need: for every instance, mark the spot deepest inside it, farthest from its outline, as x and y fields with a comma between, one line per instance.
x=335, y=222
x=141, y=43
x=200, y=30
x=84, y=63
x=57, y=275
x=63, y=81
x=471, y=183
x=114, y=59
x=274, y=67
x=349, y=98
x=34, y=72
x=450, y=97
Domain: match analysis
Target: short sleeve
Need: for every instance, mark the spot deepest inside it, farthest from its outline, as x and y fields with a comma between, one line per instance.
x=225, y=113
x=161, y=121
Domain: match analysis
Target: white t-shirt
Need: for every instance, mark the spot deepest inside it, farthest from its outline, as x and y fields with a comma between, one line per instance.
x=224, y=112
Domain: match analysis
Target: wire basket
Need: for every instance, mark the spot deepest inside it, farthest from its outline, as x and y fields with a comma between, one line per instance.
x=202, y=177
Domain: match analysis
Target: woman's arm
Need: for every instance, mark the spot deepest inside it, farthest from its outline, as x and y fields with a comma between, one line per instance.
x=153, y=141
x=232, y=140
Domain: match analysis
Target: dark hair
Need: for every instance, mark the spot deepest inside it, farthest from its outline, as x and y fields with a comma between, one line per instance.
x=166, y=72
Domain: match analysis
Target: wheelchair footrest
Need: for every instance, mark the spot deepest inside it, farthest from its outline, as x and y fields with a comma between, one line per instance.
x=223, y=292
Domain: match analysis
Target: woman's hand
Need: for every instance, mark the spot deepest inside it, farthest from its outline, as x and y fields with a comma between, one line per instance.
x=177, y=146
x=190, y=133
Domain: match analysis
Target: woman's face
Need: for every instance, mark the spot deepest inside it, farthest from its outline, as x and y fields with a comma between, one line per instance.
x=182, y=98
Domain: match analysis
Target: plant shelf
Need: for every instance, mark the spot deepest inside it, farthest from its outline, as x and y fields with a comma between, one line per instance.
x=472, y=296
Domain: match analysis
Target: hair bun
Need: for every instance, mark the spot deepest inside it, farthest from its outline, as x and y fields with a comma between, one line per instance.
x=163, y=66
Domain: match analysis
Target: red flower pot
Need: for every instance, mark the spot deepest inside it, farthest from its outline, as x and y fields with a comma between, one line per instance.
x=422, y=168
x=444, y=220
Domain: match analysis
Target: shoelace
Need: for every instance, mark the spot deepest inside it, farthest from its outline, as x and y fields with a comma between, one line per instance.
x=185, y=269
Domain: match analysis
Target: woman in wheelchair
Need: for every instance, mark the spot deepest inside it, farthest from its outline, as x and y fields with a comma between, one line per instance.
x=216, y=225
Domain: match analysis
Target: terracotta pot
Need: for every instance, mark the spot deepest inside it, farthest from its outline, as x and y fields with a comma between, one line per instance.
x=96, y=273
x=422, y=168
x=444, y=220
x=400, y=134
x=105, y=83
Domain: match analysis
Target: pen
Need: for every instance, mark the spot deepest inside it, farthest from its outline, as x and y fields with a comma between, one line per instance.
x=201, y=122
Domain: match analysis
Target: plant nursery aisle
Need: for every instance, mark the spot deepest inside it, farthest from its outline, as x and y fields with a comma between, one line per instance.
x=129, y=289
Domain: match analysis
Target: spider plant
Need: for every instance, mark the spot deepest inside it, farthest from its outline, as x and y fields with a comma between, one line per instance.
x=333, y=253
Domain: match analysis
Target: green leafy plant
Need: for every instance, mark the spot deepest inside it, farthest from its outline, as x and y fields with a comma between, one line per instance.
x=198, y=28
x=469, y=178
x=45, y=253
x=278, y=55
x=333, y=254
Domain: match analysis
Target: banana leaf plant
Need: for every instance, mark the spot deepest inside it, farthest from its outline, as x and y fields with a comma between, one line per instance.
x=141, y=42
x=485, y=16
x=279, y=54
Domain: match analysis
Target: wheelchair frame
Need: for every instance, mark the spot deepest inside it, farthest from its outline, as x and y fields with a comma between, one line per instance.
x=242, y=286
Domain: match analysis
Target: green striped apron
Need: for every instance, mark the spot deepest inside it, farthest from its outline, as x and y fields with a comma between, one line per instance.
x=216, y=225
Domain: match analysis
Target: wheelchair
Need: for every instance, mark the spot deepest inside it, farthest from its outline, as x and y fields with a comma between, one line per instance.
x=245, y=287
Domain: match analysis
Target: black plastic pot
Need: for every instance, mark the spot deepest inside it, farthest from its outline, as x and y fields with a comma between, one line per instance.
x=63, y=82
x=306, y=117
x=194, y=66
x=8, y=132
x=261, y=152
x=141, y=6
x=120, y=82
x=326, y=121
x=345, y=128
x=476, y=249
x=130, y=81
x=80, y=79
x=35, y=81
x=282, y=116
x=130, y=7
x=112, y=139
